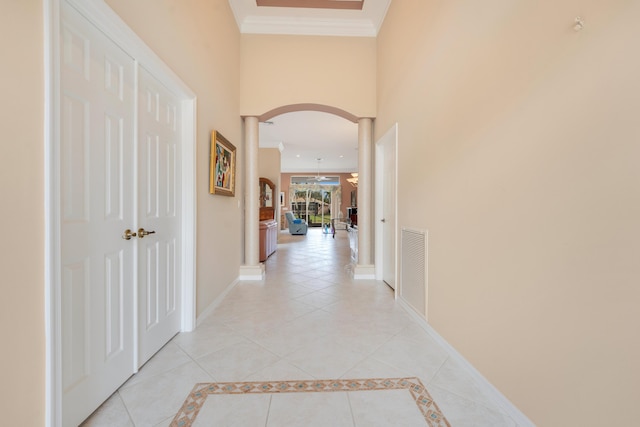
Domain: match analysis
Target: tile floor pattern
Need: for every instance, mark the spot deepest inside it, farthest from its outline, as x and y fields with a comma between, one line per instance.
x=429, y=411
x=309, y=320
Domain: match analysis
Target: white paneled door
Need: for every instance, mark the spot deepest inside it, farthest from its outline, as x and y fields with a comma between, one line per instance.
x=120, y=296
x=159, y=214
x=389, y=210
x=97, y=205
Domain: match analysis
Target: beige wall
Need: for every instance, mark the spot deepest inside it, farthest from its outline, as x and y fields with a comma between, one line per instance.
x=22, y=359
x=200, y=41
x=519, y=152
x=338, y=72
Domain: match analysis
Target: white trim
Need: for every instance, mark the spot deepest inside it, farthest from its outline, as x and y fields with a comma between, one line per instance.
x=53, y=368
x=252, y=272
x=379, y=182
x=272, y=144
x=216, y=302
x=308, y=26
x=480, y=381
x=189, y=213
x=364, y=272
x=98, y=13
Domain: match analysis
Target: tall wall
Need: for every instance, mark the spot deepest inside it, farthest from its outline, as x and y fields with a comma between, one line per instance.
x=519, y=143
x=22, y=363
x=200, y=41
x=283, y=70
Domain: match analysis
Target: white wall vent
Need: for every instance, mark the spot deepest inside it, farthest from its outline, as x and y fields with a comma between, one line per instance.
x=413, y=269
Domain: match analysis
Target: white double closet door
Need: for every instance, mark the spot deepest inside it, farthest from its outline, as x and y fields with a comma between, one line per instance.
x=120, y=169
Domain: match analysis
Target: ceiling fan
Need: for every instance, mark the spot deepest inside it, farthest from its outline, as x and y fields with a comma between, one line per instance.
x=319, y=178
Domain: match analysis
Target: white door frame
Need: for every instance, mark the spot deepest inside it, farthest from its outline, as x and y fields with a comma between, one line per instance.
x=106, y=20
x=391, y=136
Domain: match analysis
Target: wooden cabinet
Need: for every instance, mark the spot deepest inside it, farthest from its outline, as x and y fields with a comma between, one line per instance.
x=268, y=223
x=267, y=193
x=268, y=238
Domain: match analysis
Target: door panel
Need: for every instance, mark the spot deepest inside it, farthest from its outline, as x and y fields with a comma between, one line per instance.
x=159, y=180
x=389, y=215
x=96, y=152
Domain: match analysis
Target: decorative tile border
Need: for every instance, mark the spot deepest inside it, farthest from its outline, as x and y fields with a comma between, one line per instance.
x=194, y=402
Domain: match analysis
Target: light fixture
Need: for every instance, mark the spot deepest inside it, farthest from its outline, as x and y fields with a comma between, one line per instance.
x=354, y=179
x=319, y=178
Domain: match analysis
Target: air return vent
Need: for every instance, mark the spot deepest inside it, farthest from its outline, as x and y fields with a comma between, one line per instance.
x=413, y=269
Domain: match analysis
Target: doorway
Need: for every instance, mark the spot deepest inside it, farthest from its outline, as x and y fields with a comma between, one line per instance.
x=386, y=208
x=316, y=204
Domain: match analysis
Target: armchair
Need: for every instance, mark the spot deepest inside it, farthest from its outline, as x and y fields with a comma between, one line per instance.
x=296, y=226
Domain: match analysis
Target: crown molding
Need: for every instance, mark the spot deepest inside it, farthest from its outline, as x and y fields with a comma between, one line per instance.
x=272, y=144
x=313, y=4
x=308, y=26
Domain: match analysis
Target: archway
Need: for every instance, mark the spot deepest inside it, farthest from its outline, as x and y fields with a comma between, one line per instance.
x=252, y=270
x=307, y=107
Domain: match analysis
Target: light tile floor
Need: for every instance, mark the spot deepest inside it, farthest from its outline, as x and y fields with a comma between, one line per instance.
x=308, y=320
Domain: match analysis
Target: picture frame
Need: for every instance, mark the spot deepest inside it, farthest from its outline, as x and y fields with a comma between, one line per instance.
x=222, y=166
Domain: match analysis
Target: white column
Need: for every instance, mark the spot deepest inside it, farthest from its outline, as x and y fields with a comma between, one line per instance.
x=364, y=269
x=252, y=268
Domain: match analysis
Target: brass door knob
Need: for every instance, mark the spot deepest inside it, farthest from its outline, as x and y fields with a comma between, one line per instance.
x=128, y=234
x=142, y=232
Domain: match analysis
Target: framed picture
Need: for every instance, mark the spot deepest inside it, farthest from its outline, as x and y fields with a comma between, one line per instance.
x=222, y=166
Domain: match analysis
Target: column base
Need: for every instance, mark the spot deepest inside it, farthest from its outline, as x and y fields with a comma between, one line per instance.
x=364, y=272
x=251, y=272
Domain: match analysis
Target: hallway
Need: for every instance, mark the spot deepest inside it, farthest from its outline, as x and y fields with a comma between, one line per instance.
x=307, y=321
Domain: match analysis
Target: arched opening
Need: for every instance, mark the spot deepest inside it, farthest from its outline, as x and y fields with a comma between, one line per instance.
x=318, y=155
x=307, y=107
x=352, y=193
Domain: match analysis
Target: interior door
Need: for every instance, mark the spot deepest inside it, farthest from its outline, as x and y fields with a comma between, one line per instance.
x=159, y=214
x=97, y=204
x=389, y=214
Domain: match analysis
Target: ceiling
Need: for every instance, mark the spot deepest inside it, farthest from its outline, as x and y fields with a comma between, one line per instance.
x=307, y=136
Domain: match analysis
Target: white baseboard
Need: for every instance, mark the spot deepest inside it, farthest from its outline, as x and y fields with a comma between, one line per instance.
x=483, y=384
x=216, y=302
x=252, y=272
x=364, y=272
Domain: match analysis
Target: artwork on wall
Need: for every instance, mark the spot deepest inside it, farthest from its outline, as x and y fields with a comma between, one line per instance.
x=222, y=166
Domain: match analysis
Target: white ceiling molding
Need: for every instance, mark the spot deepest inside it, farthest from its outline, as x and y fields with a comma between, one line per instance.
x=272, y=144
x=252, y=19
x=308, y=27
x=314, y=4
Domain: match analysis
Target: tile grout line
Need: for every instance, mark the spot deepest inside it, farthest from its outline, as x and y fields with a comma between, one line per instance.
x=266, y=421
x=126, y=408
x=353, y=417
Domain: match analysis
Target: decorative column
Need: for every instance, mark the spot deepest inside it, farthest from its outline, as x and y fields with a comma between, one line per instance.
x=252, y=268
x=365, y=268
